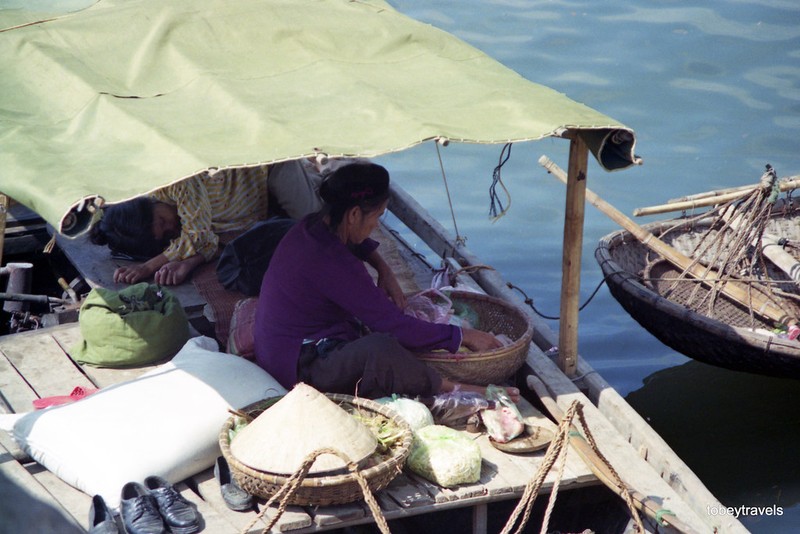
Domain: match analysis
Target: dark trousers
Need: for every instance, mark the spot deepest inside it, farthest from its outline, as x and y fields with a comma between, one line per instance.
x=372, y=366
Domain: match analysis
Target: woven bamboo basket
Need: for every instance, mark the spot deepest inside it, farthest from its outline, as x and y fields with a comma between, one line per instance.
x=324, y=490
x=489, y=367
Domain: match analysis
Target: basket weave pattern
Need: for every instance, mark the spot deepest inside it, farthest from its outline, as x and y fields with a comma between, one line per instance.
x=322, y=490
x=489, y=367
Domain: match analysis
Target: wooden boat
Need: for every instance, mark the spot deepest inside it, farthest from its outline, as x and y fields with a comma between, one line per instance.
x=729, y=334
x=139, y=130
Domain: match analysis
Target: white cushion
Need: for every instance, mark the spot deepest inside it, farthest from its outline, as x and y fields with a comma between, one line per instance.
x=164, y=423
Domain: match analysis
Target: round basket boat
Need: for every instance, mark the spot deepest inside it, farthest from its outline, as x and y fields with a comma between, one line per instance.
x=324, y=490
x=489, y=367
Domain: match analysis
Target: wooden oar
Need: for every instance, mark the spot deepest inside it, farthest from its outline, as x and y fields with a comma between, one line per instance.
x=735, y=290
x=709, y=199
x=650, y=507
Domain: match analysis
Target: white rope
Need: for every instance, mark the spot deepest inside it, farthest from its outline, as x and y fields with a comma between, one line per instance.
x=459, y=239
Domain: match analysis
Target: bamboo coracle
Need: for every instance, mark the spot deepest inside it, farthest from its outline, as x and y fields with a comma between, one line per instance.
x=735, y=290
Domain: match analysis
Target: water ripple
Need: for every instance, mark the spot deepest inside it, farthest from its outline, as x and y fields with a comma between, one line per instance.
x=710, y=22
x=718, y=88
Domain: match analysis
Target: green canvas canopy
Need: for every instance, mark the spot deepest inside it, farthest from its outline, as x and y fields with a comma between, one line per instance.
x=123, y=97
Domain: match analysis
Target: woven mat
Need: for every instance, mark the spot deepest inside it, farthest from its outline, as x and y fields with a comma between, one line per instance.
x=222, y=301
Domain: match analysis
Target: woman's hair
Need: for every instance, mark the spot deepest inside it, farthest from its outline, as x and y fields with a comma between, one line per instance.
x=127, y=228
x=365, y=185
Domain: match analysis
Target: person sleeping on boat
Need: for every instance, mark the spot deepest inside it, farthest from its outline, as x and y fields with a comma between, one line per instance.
x=321, y=319
x=176, y=228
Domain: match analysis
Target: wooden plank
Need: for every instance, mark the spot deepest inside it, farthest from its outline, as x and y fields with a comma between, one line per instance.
x=294, y=518
x=406, y=493
x=96, y=266
x=210, y=519
x=45, y=366
x=209, y=490
x=340, y=514
x=74, y=501
x=22, y=498
x=17, y=394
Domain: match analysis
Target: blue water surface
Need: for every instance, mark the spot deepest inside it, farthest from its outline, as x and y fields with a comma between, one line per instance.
x=712, y=89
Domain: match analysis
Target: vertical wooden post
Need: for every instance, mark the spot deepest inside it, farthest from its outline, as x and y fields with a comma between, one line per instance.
x=571, y=256
x=4, y=204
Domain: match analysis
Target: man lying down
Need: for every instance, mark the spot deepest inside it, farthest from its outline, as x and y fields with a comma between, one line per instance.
x=175, y=229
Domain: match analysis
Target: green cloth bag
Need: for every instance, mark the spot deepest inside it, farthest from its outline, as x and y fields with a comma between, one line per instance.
x=140, y=324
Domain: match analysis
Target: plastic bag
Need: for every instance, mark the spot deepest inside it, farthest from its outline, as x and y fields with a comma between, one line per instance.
x=444, y=456
x=414, y=412
x=454, y=408
x=430, y=305
x=503, y=422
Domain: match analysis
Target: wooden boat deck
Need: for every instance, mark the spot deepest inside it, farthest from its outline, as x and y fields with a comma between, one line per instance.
x=37, y=364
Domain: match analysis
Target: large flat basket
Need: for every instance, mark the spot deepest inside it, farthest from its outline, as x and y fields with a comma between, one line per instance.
x=489, y=367
x=324, y=490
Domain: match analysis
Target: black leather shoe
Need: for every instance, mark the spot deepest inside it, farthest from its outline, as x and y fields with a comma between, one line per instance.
x=101, y=520
x=235, y=497
x=139, y=511
x=179, y=514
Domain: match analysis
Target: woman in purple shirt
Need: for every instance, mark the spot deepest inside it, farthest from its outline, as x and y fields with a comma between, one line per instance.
x=322, y=320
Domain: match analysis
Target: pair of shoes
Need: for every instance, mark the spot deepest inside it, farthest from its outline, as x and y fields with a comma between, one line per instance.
x=235, y=497
x=139, y=511
x=156, y=507
x=101, y=520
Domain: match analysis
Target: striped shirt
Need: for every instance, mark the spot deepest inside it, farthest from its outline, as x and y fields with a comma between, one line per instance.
x=213, y=202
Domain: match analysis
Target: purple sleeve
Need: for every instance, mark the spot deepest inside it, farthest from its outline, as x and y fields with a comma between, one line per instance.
x=350, y=285
x=365, y=248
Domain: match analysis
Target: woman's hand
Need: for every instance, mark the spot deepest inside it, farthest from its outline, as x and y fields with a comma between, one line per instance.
x=130, y=274
x=175, y=273
x=479, y=341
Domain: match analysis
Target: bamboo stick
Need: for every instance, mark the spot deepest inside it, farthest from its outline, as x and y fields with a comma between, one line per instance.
x=709, y=199
x=745, y=188
x=601, y=470
x=4, y=203
x=737, y=291
x=571, y=256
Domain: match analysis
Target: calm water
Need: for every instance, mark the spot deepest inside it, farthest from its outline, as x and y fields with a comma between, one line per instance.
x=713, y=91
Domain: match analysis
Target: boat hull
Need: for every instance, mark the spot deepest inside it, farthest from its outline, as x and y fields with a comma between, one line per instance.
x=730, y=341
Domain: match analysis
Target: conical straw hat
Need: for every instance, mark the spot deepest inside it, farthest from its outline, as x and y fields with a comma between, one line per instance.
x=303, y=421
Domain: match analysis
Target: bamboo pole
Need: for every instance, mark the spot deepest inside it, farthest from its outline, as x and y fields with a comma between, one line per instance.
x=717, y=192
x=709, y=199
x=648, y=505
x=735, y=290
x=3, y=218
x=571, y=256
